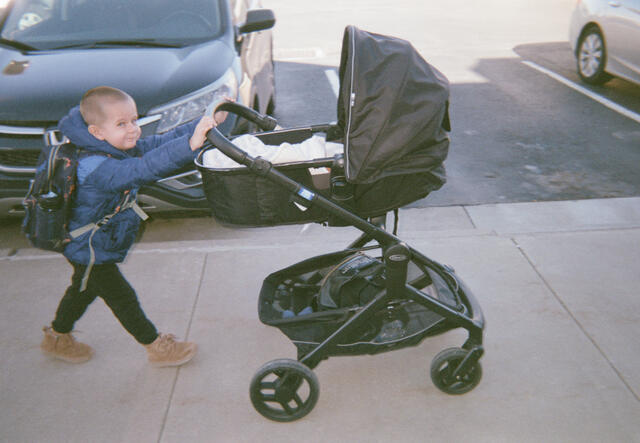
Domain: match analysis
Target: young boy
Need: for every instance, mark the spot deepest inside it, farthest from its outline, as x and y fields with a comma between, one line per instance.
x=114, y=162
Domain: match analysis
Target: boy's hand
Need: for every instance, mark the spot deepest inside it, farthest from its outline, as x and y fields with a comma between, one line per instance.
x=200, y=133
x=221, y=116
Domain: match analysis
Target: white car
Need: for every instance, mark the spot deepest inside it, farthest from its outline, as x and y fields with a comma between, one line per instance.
x=605, y=37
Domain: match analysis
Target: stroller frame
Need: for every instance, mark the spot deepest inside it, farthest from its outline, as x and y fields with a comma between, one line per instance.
x=454, y=370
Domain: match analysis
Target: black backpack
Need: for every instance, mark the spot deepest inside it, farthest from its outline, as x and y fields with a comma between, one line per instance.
x=47, y=205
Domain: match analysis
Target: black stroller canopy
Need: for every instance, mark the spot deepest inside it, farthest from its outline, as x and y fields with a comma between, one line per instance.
x=392, y=108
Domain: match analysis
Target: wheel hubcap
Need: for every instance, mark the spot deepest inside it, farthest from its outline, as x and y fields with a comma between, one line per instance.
x=591, y=53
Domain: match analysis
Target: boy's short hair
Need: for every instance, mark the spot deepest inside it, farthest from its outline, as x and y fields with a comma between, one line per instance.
x=93, y=101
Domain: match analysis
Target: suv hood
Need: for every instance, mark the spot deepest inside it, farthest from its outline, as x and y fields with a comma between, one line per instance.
x=153, y=76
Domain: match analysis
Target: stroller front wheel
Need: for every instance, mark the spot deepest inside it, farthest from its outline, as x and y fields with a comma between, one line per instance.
x=446, y=373
x=284, y=390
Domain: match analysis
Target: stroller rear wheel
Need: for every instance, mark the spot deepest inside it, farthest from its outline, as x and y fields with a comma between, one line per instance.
x=446, y=373
x=284, y=390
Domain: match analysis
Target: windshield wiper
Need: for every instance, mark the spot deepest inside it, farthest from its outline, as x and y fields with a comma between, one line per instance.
x=148, y=43
x=17, y=45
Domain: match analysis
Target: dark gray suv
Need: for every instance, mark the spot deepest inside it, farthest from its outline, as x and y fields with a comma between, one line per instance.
x=176, y=58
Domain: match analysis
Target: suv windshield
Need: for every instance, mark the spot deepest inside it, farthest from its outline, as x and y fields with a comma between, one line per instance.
x=57, y=24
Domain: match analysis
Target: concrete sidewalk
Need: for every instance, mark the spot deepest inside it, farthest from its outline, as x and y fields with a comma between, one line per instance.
x=558, y=283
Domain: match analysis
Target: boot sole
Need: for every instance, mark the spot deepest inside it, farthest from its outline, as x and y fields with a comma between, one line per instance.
x=168, y=364
x=67, y=359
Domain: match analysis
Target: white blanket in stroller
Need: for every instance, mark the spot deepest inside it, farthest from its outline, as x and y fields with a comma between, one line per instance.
x=313, y=148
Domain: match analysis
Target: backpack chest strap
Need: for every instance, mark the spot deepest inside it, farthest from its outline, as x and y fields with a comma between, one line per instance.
x=94, y=227
x=133, y=204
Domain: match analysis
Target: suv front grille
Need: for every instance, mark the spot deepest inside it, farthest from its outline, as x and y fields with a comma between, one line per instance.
x=19, y=158
x=20, y=148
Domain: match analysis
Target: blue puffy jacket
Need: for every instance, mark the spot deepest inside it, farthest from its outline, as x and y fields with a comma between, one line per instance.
x=105, y=174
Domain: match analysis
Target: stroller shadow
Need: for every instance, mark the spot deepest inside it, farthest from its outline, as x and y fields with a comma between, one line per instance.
x=522, y=136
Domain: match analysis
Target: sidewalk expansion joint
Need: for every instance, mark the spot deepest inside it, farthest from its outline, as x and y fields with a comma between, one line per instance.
x=177, y=374
x=466, y=211
x=575, y=319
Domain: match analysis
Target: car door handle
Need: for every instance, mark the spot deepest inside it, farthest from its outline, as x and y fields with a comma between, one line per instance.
x=615, y=4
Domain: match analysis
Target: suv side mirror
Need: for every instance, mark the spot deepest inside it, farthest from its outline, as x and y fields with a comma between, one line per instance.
x=258, y=20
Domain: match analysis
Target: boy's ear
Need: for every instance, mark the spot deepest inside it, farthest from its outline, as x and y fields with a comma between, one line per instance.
x=96, y=132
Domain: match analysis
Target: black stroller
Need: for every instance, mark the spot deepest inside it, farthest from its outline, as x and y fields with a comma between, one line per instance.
x=378, y=294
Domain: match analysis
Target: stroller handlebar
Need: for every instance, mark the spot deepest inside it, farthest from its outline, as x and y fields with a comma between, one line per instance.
x=226, y=146
x=264, y=122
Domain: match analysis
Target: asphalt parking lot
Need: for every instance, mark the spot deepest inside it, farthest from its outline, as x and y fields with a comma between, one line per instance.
x=519, y=134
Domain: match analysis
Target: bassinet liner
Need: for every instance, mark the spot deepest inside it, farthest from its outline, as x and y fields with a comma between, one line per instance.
x=239, y=197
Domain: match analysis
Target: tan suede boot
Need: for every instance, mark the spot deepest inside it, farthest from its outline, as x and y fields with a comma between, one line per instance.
x=64, y=347
x=167, y=351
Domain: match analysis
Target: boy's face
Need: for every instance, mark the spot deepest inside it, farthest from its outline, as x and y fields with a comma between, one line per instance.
x=119, y=127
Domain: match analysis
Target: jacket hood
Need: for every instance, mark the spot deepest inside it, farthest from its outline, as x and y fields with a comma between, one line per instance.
x=76, y=130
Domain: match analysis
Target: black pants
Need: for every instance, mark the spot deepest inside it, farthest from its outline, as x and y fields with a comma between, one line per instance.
x=106, y=282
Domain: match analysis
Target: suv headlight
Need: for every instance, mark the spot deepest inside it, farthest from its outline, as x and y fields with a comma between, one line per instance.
x=194, y=105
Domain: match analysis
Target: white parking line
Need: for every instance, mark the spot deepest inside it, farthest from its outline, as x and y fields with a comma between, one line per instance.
x=592, y=95
x=334, y=81
x=289, y=54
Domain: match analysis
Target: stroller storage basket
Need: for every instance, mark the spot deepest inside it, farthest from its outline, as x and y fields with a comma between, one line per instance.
x=240, y=197
x=292, y=300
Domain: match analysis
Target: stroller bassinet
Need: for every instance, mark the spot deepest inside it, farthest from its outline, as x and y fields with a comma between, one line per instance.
x=393, y=123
